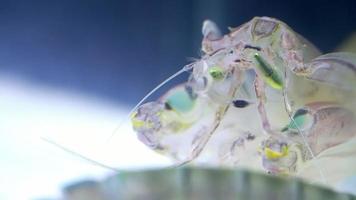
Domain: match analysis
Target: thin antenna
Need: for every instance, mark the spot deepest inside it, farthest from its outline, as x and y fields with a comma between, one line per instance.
x=78, y=155
x=184, y=69
x=288, y=109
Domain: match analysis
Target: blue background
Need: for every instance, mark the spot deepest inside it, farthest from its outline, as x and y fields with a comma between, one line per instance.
x=119, y=50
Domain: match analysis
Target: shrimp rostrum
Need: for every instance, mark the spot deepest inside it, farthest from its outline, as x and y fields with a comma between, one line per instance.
x=261, y=96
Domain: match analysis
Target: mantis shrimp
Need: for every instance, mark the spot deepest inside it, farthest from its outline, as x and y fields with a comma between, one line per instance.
x=261, y=97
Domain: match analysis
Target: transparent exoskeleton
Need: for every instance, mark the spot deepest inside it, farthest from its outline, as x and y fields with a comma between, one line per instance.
x=260, y=97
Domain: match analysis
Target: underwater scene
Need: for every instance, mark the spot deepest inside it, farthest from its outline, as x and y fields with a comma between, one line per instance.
x=178, y=100
x=261, y=98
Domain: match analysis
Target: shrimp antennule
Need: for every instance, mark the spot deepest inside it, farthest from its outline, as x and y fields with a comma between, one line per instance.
x=184, y=69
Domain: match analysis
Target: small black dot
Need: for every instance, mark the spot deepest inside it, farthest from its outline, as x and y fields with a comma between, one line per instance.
x=167, y=106
x=250, y=136
x=240, y=103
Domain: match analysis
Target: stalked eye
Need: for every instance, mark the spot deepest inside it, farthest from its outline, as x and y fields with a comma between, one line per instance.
x=217, y=73
x=180, y=101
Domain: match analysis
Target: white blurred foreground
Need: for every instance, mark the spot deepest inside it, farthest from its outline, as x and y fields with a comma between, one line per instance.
x=32, y=168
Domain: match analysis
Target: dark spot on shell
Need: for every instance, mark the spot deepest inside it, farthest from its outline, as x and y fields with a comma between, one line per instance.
x=167, y=106
x=252, y=47
x=240, y=103
x=250, y=136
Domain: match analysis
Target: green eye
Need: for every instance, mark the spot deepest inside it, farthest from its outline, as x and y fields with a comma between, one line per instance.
x=216, y=72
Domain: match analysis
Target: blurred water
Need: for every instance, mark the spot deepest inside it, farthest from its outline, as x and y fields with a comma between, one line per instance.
x=110, y=48
x=30, y=167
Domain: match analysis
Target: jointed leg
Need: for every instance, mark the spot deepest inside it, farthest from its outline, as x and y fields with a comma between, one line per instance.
x=260, y=94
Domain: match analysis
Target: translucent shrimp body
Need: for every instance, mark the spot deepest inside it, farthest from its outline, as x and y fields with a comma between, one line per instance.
x=260, y=97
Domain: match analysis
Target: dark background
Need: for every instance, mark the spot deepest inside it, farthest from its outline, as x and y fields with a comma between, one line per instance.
x=118, y=50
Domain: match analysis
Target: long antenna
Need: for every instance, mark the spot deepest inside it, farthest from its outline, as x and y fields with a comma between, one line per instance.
x=184, y=69
x=288, y=109
x=78, y=155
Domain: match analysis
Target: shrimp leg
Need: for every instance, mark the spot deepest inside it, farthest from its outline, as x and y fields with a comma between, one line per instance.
x=260, y=94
